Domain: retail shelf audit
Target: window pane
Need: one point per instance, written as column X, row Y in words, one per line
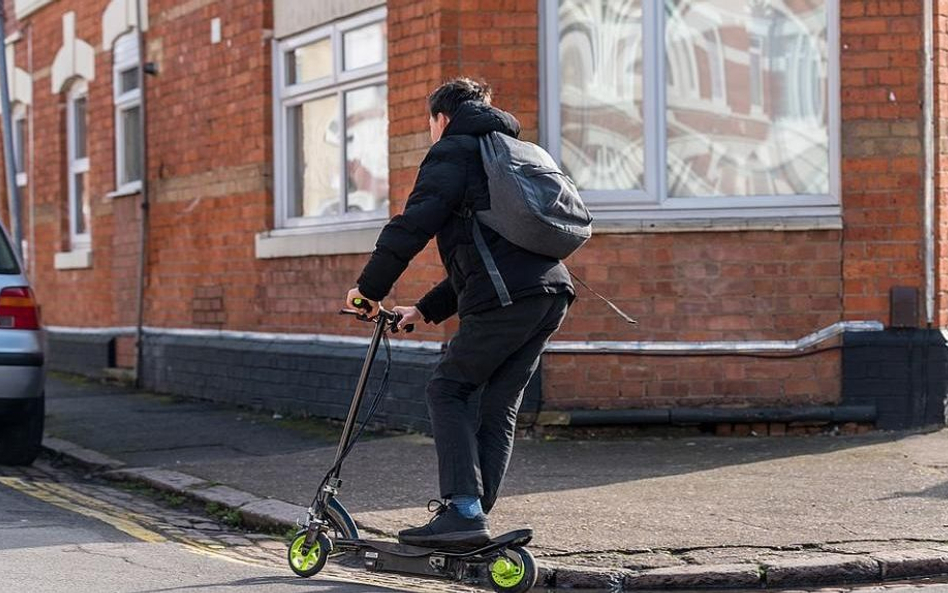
column 367, row 149
column 79, row 128
column 129, row 80
column 746, row 90
column 132, row 146
column 601, row 99
column 364, row 46
column 8, row 263
column 309, row 62
column 315, row 158
column 81, row 209
column 19, row 142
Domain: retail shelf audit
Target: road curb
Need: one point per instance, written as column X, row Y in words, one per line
column 822, row 570
column 827, row 569
column 255, row 512
column 87, row 458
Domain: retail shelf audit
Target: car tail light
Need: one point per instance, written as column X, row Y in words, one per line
column 18, row 309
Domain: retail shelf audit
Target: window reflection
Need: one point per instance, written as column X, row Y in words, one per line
column 601, row 98
column 753, row 121
column 366, row 160
column 314, row 136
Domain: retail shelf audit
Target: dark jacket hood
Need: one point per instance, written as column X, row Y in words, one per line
column 475, row 118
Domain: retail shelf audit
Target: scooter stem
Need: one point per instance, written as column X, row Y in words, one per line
column 356, row 404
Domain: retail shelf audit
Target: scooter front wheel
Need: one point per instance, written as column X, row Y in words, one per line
column 514, row 571
column 306, row 565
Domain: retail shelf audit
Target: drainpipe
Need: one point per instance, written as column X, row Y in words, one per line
column 928, row 147
column 13, row 192
column 31, row 259
column 143, row 68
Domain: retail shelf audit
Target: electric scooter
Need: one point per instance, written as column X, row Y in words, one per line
column 328, row 529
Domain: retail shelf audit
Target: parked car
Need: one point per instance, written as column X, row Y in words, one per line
column 22, row 369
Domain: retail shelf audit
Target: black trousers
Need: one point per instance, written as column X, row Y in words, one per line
column 499, row 349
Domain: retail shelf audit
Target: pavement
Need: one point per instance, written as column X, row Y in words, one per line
column 642, row 513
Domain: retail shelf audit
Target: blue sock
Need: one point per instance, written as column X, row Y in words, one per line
column 468, row 506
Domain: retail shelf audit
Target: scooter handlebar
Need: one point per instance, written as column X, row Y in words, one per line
column 388, row 317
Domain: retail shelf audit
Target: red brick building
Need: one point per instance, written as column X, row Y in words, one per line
column 762, row 172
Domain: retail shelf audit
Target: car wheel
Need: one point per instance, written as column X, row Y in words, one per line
column 22, row 433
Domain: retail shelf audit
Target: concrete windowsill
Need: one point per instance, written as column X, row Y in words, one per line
column 23, row 8
column 316, row 241
column 691, row 225
column 77, row 259
column 124, row 191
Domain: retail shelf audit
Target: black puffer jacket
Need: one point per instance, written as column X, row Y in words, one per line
column 451, row 179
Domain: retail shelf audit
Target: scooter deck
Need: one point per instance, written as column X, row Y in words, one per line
column 395, row 557
column 519, row 537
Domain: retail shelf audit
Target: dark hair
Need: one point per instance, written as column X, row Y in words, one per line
column 448, row 97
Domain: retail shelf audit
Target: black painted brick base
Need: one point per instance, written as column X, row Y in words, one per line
column 904, row 373
column 82, row 354
column 293, row 378
column 313, row 379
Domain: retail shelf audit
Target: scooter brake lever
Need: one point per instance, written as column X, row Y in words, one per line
column 360, row 315
column 407, row 329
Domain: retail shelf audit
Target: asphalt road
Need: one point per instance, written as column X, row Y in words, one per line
column 58, row 533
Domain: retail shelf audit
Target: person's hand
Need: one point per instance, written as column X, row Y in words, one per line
column 409, row 315
column 355, row 295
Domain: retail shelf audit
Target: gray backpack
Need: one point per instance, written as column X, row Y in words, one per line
column 533, row 204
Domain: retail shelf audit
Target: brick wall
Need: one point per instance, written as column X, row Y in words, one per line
column 882, row 78
column 941, row 160
column 210, row 145
column 701, row 287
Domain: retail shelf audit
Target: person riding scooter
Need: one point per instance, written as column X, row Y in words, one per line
column 496, row 346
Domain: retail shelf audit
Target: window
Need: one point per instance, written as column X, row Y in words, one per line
column 8, row 263
column 78, row 158
column 695, row 108
column 20, row 143
column 332, row 125
column 128, row 101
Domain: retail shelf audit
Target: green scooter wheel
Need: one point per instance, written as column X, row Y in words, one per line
column 306, row 565
column 515, row 571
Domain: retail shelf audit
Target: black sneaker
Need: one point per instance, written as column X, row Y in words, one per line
column 448, row 529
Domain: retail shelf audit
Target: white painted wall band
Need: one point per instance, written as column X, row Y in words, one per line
column 556, row 347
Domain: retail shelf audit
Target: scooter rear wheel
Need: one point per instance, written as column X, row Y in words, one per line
column 306, row 565
column 514, row 572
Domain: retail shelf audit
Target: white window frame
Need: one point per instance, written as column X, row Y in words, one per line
column 652, row 203
column 21, row 144
column 78, row 90
column 125, row 57
column 289, row 96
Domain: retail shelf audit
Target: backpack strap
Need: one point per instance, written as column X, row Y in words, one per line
column 618, row 311
column 491, row 265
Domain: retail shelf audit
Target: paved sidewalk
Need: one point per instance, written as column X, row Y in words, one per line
column 706, row 511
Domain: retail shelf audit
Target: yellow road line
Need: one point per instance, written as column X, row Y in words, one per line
column 120, row 523
column 63, row 497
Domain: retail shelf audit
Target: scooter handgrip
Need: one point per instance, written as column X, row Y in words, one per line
column 409, row 328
